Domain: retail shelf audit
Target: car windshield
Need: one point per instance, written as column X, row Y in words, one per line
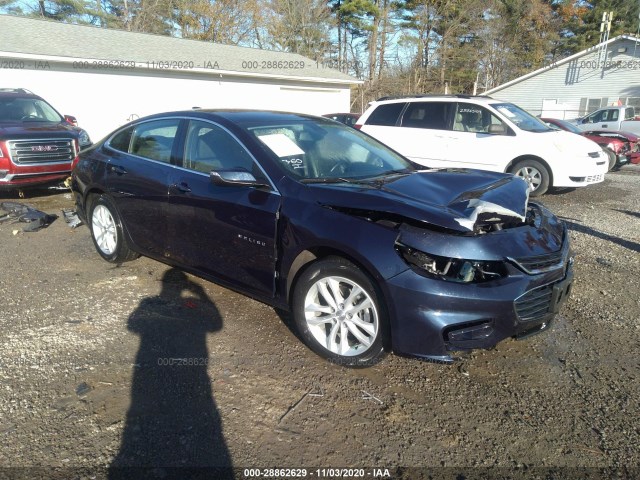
column 14, row 110
column 325, row 151
column 521, row 118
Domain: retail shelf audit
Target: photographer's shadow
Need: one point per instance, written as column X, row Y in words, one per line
column 173, row 424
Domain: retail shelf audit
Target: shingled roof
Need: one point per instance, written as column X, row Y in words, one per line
column 55, row 41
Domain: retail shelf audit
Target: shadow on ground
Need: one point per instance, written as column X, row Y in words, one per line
column 628, row 212
column 173, row 428
column 576, row 227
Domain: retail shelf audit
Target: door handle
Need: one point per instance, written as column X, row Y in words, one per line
column 118, row 169
column 181, row 187
column 605, row 126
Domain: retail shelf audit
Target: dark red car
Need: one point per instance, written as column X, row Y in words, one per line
column 346, row 118
column 621, row 147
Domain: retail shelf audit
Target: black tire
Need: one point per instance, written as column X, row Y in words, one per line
column 613, row 158
column 373, row 318
column 535, row 173
column 102, row 211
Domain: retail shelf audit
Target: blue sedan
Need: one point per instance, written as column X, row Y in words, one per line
column 369, row 252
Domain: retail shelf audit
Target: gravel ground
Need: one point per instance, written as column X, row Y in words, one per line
column 86, row 380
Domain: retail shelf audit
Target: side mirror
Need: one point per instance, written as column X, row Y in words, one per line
column 234, row 177
column 497, row 129
column 70, row 119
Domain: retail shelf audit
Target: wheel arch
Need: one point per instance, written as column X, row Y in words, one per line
column 515, row 161
column 91, row 192
column 95, row 192
column 313, row 254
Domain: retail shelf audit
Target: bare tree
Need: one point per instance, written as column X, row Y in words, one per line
column 223, row 21
column 299, row 26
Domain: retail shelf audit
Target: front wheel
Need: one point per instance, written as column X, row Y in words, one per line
column 536, row 175
column 339, row 313
column 107, row 233
column 612, row 157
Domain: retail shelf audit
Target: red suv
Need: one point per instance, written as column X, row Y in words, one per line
column 37, row 144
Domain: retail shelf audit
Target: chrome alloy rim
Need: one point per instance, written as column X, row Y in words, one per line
column 531, row 175
column 104, row 229
column 341, row 316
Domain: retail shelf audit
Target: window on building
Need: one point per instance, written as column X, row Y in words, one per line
column 633, row 102
column 590, row 105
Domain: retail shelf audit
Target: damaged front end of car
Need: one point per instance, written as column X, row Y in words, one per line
column 484, row 266
column 471, row 291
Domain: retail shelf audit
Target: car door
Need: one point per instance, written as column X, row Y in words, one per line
column 610, row 120
column 227, row 232
column 471, row 144
column 137, row 178
column 424, row 134
column 594, row 120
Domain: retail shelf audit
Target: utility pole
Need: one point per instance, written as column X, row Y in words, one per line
column 605, row 29
column 637, row 37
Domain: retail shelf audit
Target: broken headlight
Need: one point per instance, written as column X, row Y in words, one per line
column 452, row 269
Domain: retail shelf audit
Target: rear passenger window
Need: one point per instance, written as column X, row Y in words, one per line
column 474, row 118
column 154, row 140
column 431, row 115
column 121, row 140
column 386, row 114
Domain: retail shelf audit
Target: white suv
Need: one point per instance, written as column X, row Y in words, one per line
column 486, row 134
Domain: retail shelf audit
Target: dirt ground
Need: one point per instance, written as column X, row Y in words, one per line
column 143, row 366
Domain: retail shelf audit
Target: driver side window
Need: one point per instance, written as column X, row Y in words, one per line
column 595, row 117
column 209, row 147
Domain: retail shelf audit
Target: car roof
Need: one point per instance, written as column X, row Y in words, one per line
column 435, row 97
column 244, row 118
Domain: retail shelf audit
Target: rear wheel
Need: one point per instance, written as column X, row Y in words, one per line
column 535, row 173
column 106, row 231
column 339, row 314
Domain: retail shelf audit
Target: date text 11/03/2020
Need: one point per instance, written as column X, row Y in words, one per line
column 343, row 473
column 350, row 65
column 149, row 64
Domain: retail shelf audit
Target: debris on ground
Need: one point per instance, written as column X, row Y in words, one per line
column 83, row 389
column 315, row 391
column 17, row 212
column 368, row 396
column 70, row 216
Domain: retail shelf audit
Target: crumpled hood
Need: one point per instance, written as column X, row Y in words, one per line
column 455, row 199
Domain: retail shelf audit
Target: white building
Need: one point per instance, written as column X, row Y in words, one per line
column 107, row 77
column 606, row 74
